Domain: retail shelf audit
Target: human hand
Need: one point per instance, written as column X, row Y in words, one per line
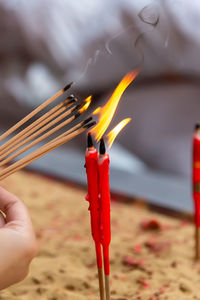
column 17, row 240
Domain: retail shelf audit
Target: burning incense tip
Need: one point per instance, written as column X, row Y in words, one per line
column 89, row 125
column 89, row 140
column 86, row 103
column 67, row 87
column 102, row 147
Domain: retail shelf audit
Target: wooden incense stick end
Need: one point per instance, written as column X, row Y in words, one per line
column 197, row 243
column 107, row 286
column 101, row 284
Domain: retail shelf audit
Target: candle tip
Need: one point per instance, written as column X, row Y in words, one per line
column 197, row 126
column 102, row 147
column 89, row 140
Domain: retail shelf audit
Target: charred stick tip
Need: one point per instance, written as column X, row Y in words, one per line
column 102, row 147
column 73, row 100
column 89, row 125
column 67, row 87
column 77, row 115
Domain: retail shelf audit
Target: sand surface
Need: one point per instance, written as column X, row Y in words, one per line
column 151, row 255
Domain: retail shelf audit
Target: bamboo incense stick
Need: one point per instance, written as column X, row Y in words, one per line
column 197, row 244
column 101, row 284
column 79, row 125
column 107, row 287
column 35, row 111
column 36, row 141
column 33, row 127
column 41, row 151
column 31, row 137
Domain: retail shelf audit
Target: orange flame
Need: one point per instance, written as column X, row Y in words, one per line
column 86, row 105
column 106, row 113
column 97, row 110
column 111, row 136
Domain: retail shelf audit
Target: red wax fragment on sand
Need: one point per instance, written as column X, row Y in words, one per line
column 151, row 225
column 184, row 223
column 130, row 261
column 156, row 246
column 144, row 283
column 161, row 290
column 137, row 248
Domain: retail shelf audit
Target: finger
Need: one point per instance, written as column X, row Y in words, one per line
column 14, row 209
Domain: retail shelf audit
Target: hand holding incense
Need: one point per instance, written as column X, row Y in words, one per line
column 196, row 186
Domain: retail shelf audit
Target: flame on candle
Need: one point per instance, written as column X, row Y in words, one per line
column 86, row 105
column 106, row 112
column 111, row 136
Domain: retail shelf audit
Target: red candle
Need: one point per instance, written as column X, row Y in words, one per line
column 91, row 157
column 104, row 196
column 196, row 174
column 92, row 179
column 196, row 185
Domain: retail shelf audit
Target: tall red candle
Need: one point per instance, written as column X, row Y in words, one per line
column 91, row 156
column 196, row 186
column 104, row 197
column 196, row 174
column 91, row 165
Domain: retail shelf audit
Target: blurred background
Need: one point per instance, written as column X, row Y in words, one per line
column 46, row 44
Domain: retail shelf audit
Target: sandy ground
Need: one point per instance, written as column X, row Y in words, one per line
column 151, row 255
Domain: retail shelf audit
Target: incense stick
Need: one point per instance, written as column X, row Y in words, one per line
column 34, row 126
column 107, row 286
column 31, row 137
column 197, row 244
column 35, row 111
column 101, row 284
column 42, row 151
column 36, row 141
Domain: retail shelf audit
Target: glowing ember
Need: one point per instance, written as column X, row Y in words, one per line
column 114, row 132
column 106, row 113
column 86, row 105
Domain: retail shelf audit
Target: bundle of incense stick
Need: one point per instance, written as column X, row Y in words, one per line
column 48, row 123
